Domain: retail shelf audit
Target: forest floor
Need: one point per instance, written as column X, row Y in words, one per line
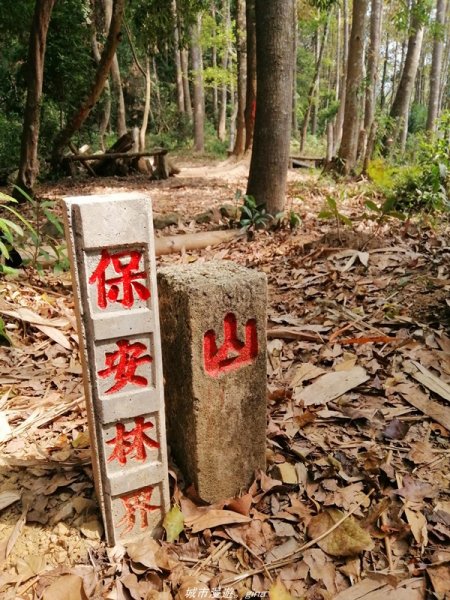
column 358, row 417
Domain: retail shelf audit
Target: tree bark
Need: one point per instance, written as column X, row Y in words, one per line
column 349, row 144
column 436, row 65
column 250, row 101
column 372, row 68
column 77, row 120
column 146, row 113
column 116, row 78
column 342, row 85
column 270, row 155
column 199, row 97
column 400, row 107
column 29, row 165
column 294, row 75
column 222, row 123
column 314, row 84
column 241, row 42
column 177, row 57
column 106, row 114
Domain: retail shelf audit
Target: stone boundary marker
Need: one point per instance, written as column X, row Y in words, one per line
column 111, row 250
column 213, row 329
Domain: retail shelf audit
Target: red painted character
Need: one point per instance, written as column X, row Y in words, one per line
column 132, row 443
column 233, row 353
column 109, row 289
column 122, row 364
column 134, row 502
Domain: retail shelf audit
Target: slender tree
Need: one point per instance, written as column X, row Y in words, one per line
column 343, row 78
column 270, row 155
column 29, row 164
column 77, row 120
column 250, row 101
column 199, row 96
column 373, row 62
column 116, row 77
column 436, row 65
column 314, row 83
column 400, row 107
column 239, row 144
column 349, row 144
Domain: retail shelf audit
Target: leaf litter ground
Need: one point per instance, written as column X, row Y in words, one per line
column 355, row 500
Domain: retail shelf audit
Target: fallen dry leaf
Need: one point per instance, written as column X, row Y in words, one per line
column 278, row 591
column 330, row 386
column 173, row 523
column 67, row 587
column 347, row 540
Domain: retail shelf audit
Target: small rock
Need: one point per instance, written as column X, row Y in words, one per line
column 231, row 211
column 205, row 217
column 161, row 221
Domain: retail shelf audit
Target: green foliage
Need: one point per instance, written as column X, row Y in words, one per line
column 253, row 216
column 417, row 118
column 423, row 187
column 331, row 211
column 291, row 220
column 11, row 233
column 4, row 339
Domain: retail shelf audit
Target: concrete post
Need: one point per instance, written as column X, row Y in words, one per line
column 111, row 249
column 213, row 328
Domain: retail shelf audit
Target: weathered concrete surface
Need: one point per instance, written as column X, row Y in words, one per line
column 111, row 247
column 216, row 413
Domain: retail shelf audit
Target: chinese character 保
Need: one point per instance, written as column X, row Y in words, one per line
column 131, row 444
column 123, row 363
column 133, row 503
column 108, row 289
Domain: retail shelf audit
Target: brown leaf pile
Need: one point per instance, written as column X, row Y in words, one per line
column 354, row 502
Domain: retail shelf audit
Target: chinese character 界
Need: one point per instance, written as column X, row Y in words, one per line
column 108, row 289
column 123, row 364
column 134, row 502
column 132, row 443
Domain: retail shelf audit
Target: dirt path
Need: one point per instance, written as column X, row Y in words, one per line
column 373, row 298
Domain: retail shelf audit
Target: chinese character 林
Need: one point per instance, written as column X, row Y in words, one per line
column 131, row 444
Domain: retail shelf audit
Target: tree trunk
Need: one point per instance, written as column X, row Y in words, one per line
column 106, row 114
column 349, row 144
column 29, row 166
column 148, row 86
column 270, row 155
column 372, row 69
column 241, row 42
column 436, row 65
column 250, row 101
column 384, row 75
column 400, row 107
column 184, row 57
column 222, row 123
column 199, row 98
column 342, row 85
column 116, row 78
column 215, row 89
column 179, row 72
column 101, row 75
column 313, row 86
column 294, row 74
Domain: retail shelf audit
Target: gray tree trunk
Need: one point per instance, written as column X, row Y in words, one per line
column 222, row 123
column 116, row 78
column 349, row 144
column 436, row 65
column 250, row 102
column 342, row 85
column 199, row 96
column 178, row 70
column 275, row 56
column 29, row 166
column 372, row 69
column 241, row 42
column 400, row 107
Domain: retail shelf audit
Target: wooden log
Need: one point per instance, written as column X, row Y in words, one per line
column 170, row 244
column 87, row 157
